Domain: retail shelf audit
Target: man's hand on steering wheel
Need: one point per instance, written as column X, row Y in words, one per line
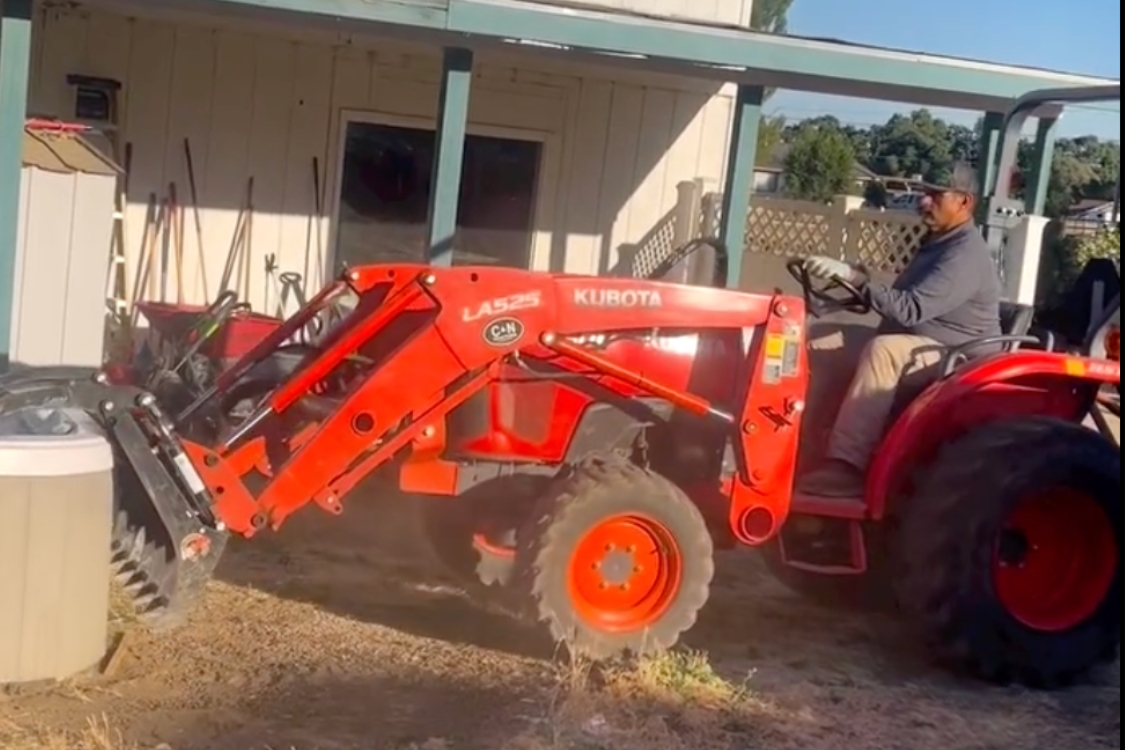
column 831, row 269
column 838, row 275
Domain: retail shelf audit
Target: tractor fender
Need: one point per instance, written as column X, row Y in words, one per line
column 1020, row 383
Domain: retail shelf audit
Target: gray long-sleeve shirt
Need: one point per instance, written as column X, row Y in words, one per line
column 949, row 292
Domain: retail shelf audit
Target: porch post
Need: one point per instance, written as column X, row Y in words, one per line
column 1035, row 189
column 15, row 57
column 988, row 153
column 449, row 150
column 739, row 179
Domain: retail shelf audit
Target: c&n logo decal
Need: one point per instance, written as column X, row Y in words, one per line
column 617, row 297
column 502, row 332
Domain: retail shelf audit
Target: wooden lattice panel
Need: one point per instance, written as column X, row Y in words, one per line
column 657, row 245
column 710, row 212
column 883, row 241
column 773, row 228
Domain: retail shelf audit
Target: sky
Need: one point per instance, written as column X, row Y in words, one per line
column 1083, row 36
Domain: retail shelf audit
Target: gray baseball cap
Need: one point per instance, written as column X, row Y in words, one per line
column 962, row 178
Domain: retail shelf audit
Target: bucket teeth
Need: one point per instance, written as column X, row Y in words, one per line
column 130, row 557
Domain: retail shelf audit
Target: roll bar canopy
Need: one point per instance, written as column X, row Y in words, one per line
column 1004, row 211
column 1042, row 103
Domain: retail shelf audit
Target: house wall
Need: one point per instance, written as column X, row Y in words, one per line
column 261, row 102
column 733, row 12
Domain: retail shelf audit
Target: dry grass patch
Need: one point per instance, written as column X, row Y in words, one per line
column 98, row 735
column 672, row 701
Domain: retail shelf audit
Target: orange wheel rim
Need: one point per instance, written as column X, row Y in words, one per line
column 624, row 573
column 1055, row 560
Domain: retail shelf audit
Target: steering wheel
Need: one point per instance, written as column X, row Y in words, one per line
column 854, row 300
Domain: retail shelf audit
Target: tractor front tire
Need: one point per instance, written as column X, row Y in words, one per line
column 616, row 560
column 1009, row 552
column 454, row 526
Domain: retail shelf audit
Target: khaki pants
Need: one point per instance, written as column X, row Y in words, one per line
column 881, row 369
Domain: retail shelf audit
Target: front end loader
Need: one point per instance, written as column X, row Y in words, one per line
column 597, row 370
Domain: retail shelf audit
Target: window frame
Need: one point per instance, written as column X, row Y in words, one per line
column 542, row 212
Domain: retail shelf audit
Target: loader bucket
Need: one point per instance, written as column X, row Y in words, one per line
column 165, row 543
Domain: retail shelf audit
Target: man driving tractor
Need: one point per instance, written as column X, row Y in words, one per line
column 948, row 294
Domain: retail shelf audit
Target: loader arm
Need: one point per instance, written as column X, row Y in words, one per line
column 431, row 338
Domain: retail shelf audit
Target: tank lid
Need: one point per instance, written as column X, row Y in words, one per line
column 51, row 442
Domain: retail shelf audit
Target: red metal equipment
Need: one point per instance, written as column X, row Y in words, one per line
column 433, row 339
column 236, row 335
column 600, row 436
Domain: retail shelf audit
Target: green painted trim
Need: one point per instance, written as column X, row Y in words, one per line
column 449, row 151
column 1035, row 189
column 15, row 68
column 988, row 153
column 423, row 13
column 739, row 179
column 695, row 44
column 732, row 53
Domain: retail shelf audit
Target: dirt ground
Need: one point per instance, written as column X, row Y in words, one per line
column 341, row 634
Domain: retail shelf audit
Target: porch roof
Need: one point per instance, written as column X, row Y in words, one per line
column 692, row 49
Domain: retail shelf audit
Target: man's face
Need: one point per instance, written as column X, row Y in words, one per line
column 942, row 210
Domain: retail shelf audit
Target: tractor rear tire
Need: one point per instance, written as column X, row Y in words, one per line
column 617, row 559
column 975, row 545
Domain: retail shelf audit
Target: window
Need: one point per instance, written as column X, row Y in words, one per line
column 385, row 191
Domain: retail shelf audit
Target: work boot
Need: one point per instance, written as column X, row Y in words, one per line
column 835, row 479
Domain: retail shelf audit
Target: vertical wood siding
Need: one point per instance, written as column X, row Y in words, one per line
column 261, row 102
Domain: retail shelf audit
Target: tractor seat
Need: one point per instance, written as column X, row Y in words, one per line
column 1015, row 318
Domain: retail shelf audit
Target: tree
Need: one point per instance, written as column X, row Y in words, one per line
column 963, row 142
column 1069, row 175
column 770, row 16
column 920, row 144
column 819, row 165
column 771, row 131
column 875, row 194
column 917, row 144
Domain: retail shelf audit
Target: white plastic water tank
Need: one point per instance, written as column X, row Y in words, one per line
column 56, row 515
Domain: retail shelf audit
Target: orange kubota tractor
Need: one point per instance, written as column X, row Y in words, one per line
column 595, row 438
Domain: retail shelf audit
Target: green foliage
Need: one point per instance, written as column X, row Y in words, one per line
column 919, row 144
column 915, row 144
column 1083, row 167
column 770, row 16
column 819, row 165
column 771, row 132
column 875, row 194
column 1064, row 258
column 1105, row 244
